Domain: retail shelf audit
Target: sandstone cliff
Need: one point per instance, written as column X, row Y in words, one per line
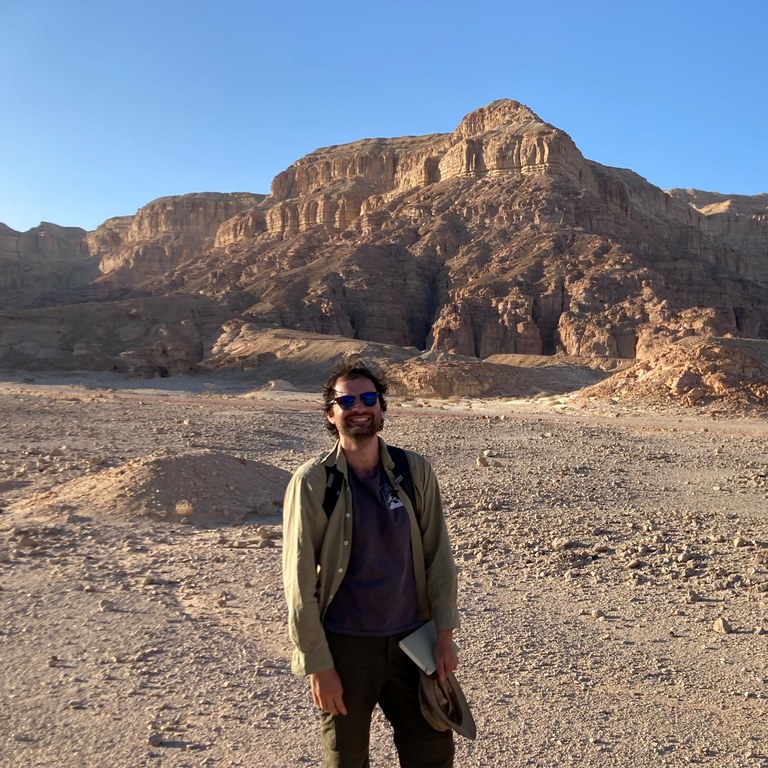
column 497, row 238
column 38, row 266
column 740, row 222
column 164, row 234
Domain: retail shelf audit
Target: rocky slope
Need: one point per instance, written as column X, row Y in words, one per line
column 143, row 337
column 727, row 373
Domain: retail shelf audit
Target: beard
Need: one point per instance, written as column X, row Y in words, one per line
column 359, row 428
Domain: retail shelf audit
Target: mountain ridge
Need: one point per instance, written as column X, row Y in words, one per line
column 496, row 238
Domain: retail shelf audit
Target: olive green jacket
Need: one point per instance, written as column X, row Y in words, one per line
column 316, row 552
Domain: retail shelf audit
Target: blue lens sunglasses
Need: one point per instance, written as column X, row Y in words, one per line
column 345, row 402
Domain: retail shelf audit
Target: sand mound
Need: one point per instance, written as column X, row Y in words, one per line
column 427, row 378
column 444, row 378
column 204, row 488
column 301, row 358
column 729, row 373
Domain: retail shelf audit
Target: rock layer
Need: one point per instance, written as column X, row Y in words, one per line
column 38, row 266
column 163, row 234
column 738, row 221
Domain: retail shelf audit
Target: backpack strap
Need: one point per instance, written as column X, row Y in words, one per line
column 403, row 476
column 334, row 480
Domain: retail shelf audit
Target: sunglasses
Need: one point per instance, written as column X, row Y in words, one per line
column 345, row 402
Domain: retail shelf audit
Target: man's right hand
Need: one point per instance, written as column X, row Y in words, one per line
column 327, row 691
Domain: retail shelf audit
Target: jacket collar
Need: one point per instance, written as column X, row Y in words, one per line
column 335, row 457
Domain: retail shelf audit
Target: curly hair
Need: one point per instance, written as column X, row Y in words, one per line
column 352, row 370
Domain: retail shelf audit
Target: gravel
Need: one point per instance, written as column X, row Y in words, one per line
column 613, row 583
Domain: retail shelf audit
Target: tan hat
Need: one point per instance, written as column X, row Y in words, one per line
column 444, row 706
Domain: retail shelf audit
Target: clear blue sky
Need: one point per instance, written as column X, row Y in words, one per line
column 107, row 105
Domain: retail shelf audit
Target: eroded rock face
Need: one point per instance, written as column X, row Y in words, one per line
column 163, row 234
column 333, row 186
column 497, row 238
column 38, row 266
column 738, row 221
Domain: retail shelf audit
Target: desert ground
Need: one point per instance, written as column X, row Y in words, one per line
column 613, row 566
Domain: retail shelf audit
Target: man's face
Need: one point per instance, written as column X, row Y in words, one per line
column 359, row 421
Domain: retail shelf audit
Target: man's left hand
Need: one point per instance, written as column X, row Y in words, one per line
column 446, row 658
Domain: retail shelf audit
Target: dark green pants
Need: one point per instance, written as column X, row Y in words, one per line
column 373, row 670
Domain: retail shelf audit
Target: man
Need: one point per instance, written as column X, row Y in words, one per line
column 361, row 576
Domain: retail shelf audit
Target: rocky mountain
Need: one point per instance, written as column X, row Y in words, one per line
column 497, row 238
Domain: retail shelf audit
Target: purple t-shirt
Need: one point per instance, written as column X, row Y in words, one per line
column 377, row 596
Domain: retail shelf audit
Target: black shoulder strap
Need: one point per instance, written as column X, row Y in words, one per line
column 334, row 480
column 403, row 475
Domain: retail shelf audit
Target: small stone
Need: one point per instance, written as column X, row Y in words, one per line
column 481, row 461
column 26, row 542
column 722, row 626
column 598, row 614
column 740, row 541
column 694, row 597
column 155, row 739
